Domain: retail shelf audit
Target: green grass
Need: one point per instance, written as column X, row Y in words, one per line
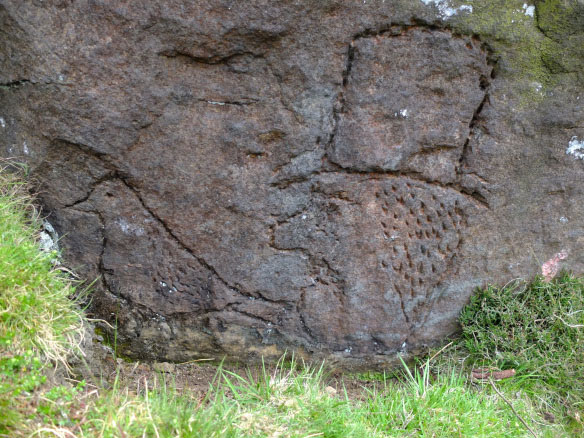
column 448, row 406
column 532, row 328
column 288, row 402
column 537, row 329
column 35, row 310
column 40, row 326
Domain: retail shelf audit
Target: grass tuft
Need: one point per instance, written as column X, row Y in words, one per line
column 446, row 405
column 537, row 329
column 39, row 324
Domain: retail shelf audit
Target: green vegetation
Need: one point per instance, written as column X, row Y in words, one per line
column 535, row 329
column 513, row 34
column 532, row 48
column 36, row 312
column 40, row 326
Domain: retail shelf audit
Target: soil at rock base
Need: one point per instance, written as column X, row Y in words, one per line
column 100, row 368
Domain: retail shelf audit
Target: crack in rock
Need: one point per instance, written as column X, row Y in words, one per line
column 374, row 215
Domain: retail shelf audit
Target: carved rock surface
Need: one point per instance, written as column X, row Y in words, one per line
column 329, row 177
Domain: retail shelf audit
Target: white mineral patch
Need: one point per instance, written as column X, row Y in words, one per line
column 25, row 148
column 528, row 10
column 2, row 122
column 564, row 220
column 46, row 242
column 403, row 113
column 213, row 102
column 445, row 9
column 576, row 148
column 47, row 226
column 48, row 239
column 128, row 228
column 538, row 87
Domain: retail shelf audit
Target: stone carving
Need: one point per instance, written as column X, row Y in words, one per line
column 333, row 178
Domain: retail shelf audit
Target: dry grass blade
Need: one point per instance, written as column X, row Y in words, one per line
column 512, row 408
column 484, row 374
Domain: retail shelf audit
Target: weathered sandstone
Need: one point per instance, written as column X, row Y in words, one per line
column 333, row 178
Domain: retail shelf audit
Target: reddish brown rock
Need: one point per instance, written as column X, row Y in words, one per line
column 327, row 177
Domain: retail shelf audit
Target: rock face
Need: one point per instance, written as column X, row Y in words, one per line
column 329, row 177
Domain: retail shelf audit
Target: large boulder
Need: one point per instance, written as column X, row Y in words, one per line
column 333, row 178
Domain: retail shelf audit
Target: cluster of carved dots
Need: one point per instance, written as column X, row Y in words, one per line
column 422, row 234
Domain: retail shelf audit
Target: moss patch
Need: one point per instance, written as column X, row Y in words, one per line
column 529, row 49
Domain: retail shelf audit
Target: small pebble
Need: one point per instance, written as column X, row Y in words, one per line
column 163, row 367
column 330, row 390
